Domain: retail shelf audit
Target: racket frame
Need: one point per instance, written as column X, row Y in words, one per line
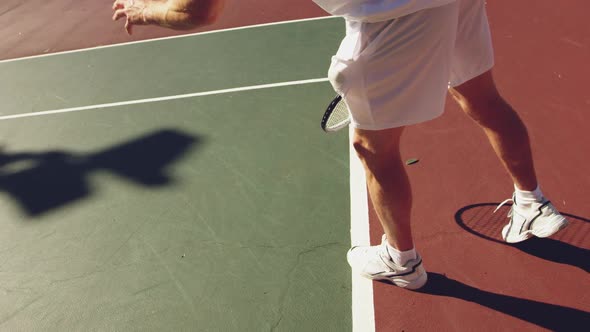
column 329, row 111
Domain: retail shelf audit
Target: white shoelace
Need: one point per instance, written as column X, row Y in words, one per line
column 504, row 203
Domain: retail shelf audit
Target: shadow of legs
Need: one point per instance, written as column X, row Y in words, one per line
column 549, row 316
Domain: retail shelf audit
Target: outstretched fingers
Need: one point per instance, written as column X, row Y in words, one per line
column 128, row 27
column 129, row 10
column 119, row 13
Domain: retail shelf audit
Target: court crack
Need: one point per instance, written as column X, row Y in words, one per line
column 22, row 308
column 80, row 276
column 290, row 274
column 240, row 245
column 10, row 9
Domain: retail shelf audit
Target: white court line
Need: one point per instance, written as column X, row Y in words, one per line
column 166, row 98
column 168, row 38
column 363, row 311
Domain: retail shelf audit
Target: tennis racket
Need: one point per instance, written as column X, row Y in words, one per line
column 336, row 116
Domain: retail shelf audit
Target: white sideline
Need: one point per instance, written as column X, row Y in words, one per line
column 157, row 99
column 363, row 311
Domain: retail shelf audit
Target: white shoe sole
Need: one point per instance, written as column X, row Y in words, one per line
column 541, row 232
column 412, row 281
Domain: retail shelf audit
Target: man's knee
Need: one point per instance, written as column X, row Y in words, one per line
column 377, row 149
column 364, row 148
column 478, row 93
column 480, row 99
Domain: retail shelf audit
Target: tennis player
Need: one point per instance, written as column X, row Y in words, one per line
column 393, row 69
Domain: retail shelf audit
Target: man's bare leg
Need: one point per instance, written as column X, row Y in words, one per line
column 395, row 260
column 387, row 182
column 535, row 215
column 506, row 132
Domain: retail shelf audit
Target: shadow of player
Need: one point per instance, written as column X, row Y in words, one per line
column 550, row 316
column 44, row 181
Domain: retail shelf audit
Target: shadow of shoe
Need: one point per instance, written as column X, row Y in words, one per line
column 569, row 246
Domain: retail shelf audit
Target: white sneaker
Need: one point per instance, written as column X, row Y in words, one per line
column 540, row 219
column 374, row 262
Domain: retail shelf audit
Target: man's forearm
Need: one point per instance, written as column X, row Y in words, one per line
column 183, row 14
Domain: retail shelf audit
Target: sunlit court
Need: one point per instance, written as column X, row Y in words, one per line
column 180, row 180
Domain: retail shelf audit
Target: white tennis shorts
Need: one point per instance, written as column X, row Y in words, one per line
column 396, row 73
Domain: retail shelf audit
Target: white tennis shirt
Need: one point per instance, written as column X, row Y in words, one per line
column 376, row 10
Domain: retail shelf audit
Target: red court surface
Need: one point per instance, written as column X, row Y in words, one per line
column 38, row 26
column 542, row 68
column 476, row 282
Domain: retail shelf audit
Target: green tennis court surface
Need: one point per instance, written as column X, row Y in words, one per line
column 226, row 212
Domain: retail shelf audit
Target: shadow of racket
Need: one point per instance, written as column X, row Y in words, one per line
column 569, row 246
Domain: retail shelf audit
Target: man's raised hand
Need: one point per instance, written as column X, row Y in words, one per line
column 172, row 14
column 134, row 12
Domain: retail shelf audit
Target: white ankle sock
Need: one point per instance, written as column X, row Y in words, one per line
column 524, row 197
column 401, row 257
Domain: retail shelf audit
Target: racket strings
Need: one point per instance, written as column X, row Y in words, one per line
column 338, row 117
